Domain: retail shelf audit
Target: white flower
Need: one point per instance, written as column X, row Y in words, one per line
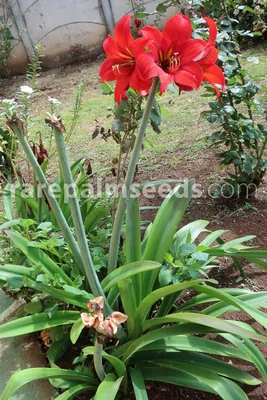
column 26, row 89
column 52, row 100
column 8, row 102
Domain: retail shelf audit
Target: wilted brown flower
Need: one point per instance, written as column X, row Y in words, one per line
column 55, row 122
column 16, row 121
column 96, row 305
column 107, row 326
column 91, row 321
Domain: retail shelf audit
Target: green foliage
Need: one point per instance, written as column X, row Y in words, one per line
column 8, row 150
column 79, row 93
column 167, row 335
column 6, row 36
column 239, row 116
column 189, row 258
column 152, row 349
column 35, row 66
column 251, row 15
column 93, row 209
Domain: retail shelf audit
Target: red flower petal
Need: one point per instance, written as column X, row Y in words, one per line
column 215, row 76
column 106, row 72
column 152, row 33
column 213, row 30
column 120, row 90
column 210, row 58
column 139, row 83
column 147, row 66
column 190, row 75
column 122, row 32
column 191, row 50
column 178, row 28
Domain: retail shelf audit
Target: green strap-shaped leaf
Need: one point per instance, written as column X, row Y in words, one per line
column 16, row 270
column 133, row 242
column 206, row 320
column 127, row 350
column 189, row 232
column 212, row 237
column 175, row 377
column 196, row 344
column 163, row 229
column 38, row 256
column 138, row 384
column 247, row 347
column 37, row 322
column 127, row 296
column 116, row 362
column 158, row 294
column 21, row 378
column 74, row 391
column 67, row 297
column 247, row 254
column 126, row 272
column 259, row 316
column 93, row 218
column 76, row 330
column 133, row 233
column 20, row 204
column 257, row 299
column 225, row 388
column 185, row 359
column 8, row 204
column 108, row 388
column 204, row 298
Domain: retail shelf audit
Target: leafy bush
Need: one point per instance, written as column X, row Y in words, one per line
column 240, row 118
column 191, row 255
column 251, row 15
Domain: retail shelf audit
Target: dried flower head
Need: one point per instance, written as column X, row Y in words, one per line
column 107, row 326
column 96, row 305
column 55, row 122
column 91, row 321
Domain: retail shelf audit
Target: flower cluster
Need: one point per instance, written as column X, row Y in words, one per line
column 172, row 55
column 107, row 326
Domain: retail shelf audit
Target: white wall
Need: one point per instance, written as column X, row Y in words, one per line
column 66, row 29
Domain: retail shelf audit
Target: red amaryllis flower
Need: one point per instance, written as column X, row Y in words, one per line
column 208, row 57
column 120, row 65
column 171, row 55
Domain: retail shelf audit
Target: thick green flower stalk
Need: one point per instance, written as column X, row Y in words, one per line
column 88, row 265
column 16, row 126
column 116, row 232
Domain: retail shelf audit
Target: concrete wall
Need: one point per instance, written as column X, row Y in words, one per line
column 66, row 29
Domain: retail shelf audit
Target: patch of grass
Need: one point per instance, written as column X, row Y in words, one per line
column 181, row 130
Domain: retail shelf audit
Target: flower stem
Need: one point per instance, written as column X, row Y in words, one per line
column 49, row 194
column 77, row 220
column 98, row 363
column 116, row 232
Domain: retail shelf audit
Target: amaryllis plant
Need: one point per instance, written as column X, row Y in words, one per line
column 136, row 328
column 171, row 55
